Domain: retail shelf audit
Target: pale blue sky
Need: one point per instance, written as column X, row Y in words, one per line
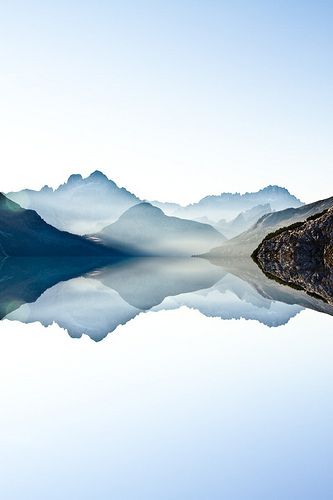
column 173, row 99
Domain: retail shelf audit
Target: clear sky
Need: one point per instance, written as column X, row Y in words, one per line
column 174, row 100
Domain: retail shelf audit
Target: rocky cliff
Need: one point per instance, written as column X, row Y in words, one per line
column 301, row 255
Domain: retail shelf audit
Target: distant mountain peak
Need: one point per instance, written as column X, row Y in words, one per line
column 145, row 230
column 98, row 175
column 144, row 207
column 74, row 178
column 274, row 188
column 46, row 188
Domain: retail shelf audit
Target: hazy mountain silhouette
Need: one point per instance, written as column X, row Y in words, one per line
column 80, row 206
column 247, row 242
column 243, row 221
column 228, row 205
column 146, row 230
column 87, row 205
column 25, row 233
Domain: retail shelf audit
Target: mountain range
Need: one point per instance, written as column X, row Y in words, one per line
column 70, row 251
column 88, row 205
column 93, row 216
column 229, row 205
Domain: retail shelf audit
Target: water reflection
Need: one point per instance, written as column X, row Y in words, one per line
column 93, row 298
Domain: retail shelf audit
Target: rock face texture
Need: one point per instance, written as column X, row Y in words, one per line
column 301, row 255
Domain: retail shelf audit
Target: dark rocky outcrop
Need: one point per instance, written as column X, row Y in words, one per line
column 301, row 255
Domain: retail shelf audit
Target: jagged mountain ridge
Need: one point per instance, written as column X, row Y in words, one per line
column 146, row 230
column 80, row 206
column 229, row 205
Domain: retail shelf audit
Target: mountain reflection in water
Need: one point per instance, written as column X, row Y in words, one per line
column 86, row 296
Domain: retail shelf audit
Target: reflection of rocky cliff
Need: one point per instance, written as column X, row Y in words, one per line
column 302, row 255
column 273, row 290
